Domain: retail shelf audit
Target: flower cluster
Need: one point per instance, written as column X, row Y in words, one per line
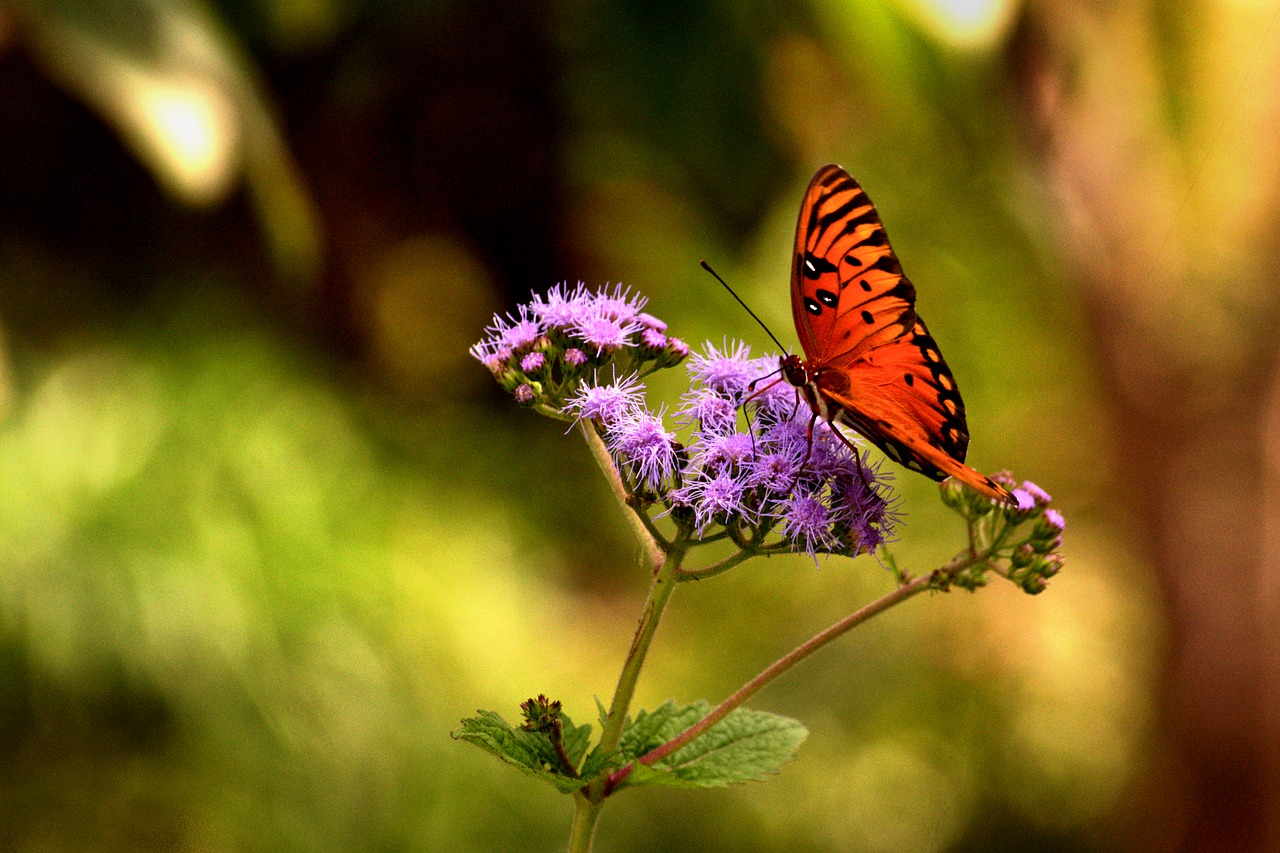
column 776, row 481
column 548, row 346
column 1023, row 542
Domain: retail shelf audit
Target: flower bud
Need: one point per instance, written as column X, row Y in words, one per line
column 952, row 492
column 1022, row 556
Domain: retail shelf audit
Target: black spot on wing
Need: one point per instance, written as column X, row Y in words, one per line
column 814, row 267
column 827, row 298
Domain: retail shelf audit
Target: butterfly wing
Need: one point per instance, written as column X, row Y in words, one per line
column 875, row 362
column 848, row 293
column 903, row 398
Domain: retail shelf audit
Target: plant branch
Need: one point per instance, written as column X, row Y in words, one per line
column 715, row 568
column 912, row 587
column 655, row 547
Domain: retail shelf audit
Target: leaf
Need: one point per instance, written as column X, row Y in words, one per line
column 745, row 746
column 531, row 752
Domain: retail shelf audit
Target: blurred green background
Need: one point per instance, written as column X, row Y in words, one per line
column 267, row 532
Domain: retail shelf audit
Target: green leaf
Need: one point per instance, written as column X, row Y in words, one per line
column 531, row 752
column 745, row 746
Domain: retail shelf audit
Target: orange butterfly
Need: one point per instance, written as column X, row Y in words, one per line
column 870, row 363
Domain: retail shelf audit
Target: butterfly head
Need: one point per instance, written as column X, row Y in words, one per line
column 795, row 371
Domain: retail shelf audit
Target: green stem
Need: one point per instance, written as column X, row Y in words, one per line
column 586, row 814
column 664, row 583
column 908, row 590
column 654, row 546
column 715, row 568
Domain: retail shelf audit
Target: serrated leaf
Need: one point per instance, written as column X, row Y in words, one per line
column 745, row 746
column 531, row 752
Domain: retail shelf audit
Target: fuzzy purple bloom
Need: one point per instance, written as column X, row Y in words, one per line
column 717, row 451
column 618, row 305
column 807, row 521
column 652, row 338
column 524, row 394
column 643, row 447
column 728, row 372
column 651, row 322
column 607, row 403
column 715, row 497
column 710, row 411
column 1026, row 502
column 605, row 333
column 1054, row 520
column 774, row 472
column 1039, row 495
column 533, row 362
column 575, row 357
column 561, row 307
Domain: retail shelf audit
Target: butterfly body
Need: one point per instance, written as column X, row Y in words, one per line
column 870, row 363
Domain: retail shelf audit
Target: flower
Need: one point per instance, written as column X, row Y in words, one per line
column 604, row 333
column 713, row 498
column 561, row 307
column 607, row 403
column 1039, row 495
column 728, row 372
column 709, row 411
column 808, row 521
column 620, row 304
column 644, row 447
column 774, row 480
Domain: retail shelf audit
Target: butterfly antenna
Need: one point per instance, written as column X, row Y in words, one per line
column 706, row 266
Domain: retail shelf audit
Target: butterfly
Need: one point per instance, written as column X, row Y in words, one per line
column 869, row 361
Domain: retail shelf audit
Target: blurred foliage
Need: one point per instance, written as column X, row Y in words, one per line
column 267, row 533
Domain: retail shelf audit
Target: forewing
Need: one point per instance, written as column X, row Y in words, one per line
column 903, row 398
column 848, row 293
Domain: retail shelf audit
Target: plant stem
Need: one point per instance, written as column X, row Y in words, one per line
column 652, row 546
column 589, row 800
column 586, row 814
column 902, row 593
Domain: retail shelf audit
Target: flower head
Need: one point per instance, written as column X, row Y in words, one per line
column 644, row 447
column 726, row 372
column 607, row 403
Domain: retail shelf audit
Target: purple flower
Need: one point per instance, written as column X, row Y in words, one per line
column 575, row 357
column 1026, row 502
column 524, row 394
column 507, row 334
column 619, row 305
column 722, row 451
column 1052, row 523
column 678, row 348
column 533, row 362
column 1039, row 495
column 712, row 412
column 561, row 307
column 651, row 322
column 775, row 472
column 607, row 403
column 714, row 498
column 727, row 372
column 643, row 447
column 603, row 332
column 652, row 338
column 807, row 521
